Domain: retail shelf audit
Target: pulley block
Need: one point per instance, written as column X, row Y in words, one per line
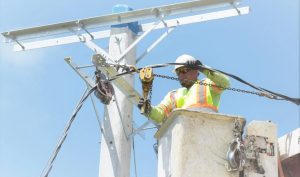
column 235, row 156
column 104, row 90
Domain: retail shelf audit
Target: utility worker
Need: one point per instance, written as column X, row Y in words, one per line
column 192, row 95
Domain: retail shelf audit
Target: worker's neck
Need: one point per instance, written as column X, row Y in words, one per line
column 189, row 85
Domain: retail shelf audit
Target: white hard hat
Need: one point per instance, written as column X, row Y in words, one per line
column 183, row 59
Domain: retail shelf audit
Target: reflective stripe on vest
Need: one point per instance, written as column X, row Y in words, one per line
column 201, row 97
column 173, row 100
column 168, row 109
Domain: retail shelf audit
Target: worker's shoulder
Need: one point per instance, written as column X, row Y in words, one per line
column 173, row 91
column 206, row 80
column 182, row 89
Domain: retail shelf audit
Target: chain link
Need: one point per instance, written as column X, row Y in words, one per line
column 128, row 68
column 166, row 77
column 210, row 85
column 150, row 93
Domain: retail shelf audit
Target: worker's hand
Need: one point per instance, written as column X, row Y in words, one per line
column 143, row 102
column 194, row 64
column 206, row 69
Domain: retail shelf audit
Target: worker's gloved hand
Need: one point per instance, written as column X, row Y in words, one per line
column 141, row 103
column 206, row 70
column 147, row 107
column 194, row 64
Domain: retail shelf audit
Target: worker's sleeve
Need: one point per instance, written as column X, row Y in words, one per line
column 219, row 79
column 160, row 112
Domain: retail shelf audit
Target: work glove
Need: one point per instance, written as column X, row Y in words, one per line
column 194, row 64
column 206, row 70
column 142, row 102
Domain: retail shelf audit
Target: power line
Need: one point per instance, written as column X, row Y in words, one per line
column 51, row 160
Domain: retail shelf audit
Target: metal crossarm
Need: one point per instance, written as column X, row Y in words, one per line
column 199, row 18
column 89, row 24
column 143, row 28
column 89, row 81
column 119, row 18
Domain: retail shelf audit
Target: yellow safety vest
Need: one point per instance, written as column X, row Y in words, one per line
column 198, row 96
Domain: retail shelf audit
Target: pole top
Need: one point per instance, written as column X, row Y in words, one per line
column 120, row 8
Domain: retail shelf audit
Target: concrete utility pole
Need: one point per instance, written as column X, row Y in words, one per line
column 117, row 124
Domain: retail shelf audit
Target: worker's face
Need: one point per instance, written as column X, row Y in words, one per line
column 186, row 76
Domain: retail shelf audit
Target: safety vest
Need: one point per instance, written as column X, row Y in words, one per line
column 198, row 96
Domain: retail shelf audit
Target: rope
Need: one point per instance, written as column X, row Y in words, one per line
column 51, row 160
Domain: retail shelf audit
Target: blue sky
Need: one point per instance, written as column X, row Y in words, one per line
column 38, row 90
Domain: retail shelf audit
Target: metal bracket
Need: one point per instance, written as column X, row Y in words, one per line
column 88, row 80
column 235, row 7
column 161, row 17
column 155, row 43
column 81, row 38
column 81, row 26
column 85, row 66
column 12, row 37
column 128, row 49
column 142, row 128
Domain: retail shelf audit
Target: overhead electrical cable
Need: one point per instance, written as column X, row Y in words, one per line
column 49, row 165
column 263, row 92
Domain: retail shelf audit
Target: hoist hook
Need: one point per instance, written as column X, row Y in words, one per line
column 146, row 77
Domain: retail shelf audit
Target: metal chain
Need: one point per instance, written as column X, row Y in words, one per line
column 210, row 85
column 166, row 77
column 128, row 68
column 150, row 93
column 238, row 129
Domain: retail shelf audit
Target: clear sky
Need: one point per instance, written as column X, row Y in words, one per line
column 38, row 90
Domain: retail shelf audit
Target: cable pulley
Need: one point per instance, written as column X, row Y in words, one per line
column 104, row 89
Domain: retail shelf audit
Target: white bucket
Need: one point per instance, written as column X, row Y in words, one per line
column 194, row 144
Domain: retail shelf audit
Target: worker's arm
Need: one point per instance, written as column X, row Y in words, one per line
column 219, row 79
column 160, row 112
column 157, row 114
